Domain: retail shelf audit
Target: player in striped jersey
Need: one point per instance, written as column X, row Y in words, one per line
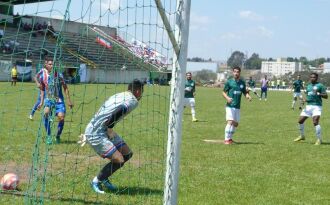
column 53, row 98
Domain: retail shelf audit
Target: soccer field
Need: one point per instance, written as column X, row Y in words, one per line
column 265, row 167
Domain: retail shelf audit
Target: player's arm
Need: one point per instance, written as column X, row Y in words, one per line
column 225, row 95
column 246, row 93
column 42, row 96
column 228, row 99
column 323, row 93
column 67, row 93
column 194, row 90
column 116, row 115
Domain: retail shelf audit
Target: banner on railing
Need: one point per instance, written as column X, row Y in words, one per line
column 5, row 67
column 24, row 70
column 103, row 42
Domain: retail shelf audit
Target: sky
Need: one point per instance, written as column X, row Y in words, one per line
column 270, row 28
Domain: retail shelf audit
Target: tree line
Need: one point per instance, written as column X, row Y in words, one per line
column 253, row 62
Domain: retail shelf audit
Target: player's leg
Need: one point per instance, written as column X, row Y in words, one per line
column 303, row 116
column 301, row 100
column 232, row 123
column 266, row 94
column 192, row 106
column 316, row 119
column 60, row 112
column 118, row 152
column 48, row 109
column 261, row 92
column 294, row 101
column 255, row 92
column 35, row 107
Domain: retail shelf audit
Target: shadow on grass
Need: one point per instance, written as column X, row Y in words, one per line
column 138, row 191
column 247, row 143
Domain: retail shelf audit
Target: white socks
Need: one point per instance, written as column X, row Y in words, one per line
column 301, row 129
column 193, row 112
column 229, row 131
column 318, row 132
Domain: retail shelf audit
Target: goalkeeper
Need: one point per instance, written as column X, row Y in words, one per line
column 105, row 141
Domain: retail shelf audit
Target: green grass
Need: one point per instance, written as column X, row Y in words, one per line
column 267, row 167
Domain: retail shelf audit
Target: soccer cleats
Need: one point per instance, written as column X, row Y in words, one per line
column 96, row 186
column 58, row 140
column 49, row 140
column 300, row 138
column 318, row 142
column 194, row 119
column 31, row 117
column 229, row 141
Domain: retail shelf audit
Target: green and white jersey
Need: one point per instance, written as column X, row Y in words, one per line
column 311, row 92
column 297, row 86
column 234, row 90
column 189, row 89
column 252, row 83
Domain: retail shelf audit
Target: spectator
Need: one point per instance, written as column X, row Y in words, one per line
column 1, row 33
column 13, row 75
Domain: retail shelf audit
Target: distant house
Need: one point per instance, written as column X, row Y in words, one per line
column 326, row 68
column 197, row 66
column 280, row 67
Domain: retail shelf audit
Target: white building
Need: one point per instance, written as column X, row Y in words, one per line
column 326, row 68
column 198, row 66
column 280, row 67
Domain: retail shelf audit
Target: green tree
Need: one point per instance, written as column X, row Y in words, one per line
column 254, row 62
column 205, row 76
column 236, row 59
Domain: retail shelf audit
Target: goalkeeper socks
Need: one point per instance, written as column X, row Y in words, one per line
column 318, row 131
column 302, row 129
column 60, row 128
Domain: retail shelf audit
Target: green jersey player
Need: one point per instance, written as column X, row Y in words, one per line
column 297, row 87
column 232, row 92
column 189, row 95
column 252, row 86
column 315, row 91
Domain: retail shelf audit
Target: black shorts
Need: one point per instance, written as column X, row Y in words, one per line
column 14, row 78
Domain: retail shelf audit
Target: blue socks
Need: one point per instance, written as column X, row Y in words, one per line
column 60, row 128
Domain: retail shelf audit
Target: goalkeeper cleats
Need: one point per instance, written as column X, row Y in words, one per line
column 96, row 186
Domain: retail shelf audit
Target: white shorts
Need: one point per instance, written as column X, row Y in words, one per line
column 232, row 114
column 311, row 111
column 252, row 89
column 101, row 142
column 297, row 95
column 189, row 102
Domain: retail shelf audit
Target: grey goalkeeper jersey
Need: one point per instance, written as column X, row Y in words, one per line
column 112, row 111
